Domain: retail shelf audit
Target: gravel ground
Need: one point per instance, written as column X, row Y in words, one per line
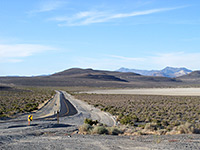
column 50, row 136
column 47, row 134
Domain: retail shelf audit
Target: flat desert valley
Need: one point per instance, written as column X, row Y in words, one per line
column 152, row 91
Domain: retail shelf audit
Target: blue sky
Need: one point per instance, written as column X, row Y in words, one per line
column 46, row 36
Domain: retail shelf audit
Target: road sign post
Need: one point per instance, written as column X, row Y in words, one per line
column 57, row 117
column 30, row 118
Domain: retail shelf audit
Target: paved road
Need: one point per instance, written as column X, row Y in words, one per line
column 58, row 104
column 66, row 108
column 87, row 111
column 71, row 111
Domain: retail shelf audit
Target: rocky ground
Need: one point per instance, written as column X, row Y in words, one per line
column 47, row 134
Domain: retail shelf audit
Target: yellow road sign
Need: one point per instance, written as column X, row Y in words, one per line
column 30, row 117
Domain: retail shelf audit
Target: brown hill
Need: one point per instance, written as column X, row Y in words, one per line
column 92, row 78
column 193, row 77
column 79, row 72
column 75, row 72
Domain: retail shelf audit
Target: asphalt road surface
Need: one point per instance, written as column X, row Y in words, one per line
column 66, row 108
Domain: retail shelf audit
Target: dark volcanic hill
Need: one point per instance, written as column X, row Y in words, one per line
column 92, row 78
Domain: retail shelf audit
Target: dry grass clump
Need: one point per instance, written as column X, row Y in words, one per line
column 114, row 131
column 150, row 113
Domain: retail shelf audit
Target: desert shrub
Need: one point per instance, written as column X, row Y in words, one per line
column 151, row 126
column 108, row 108
column 125, row 120
column 3, row 115
column 141, row 126
column 114, row 131
column 128, row 120
column 166, row 111
column 96, row 105
column 23, row 99
column 176, row 123
column 121, row 115
column 31, row 106
column 85, row 128
column 1, row 112
column 164, row 123
column 90, row 121
column 99, row 130
column 186, row 128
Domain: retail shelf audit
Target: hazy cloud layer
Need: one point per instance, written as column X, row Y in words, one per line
column 49, row 5
column 91, row 17
column 15, row 53
column 190, row 60
column 159, row 61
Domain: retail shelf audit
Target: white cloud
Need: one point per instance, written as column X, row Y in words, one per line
column 90, row 17
column 48, row 5
column 12, row 53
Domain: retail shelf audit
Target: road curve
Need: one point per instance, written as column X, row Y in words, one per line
column 66, row 108
column 88, row 111
column 58, row 103
column 71, row 111
column 49, row 110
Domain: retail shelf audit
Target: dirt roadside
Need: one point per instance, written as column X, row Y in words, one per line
column 93, row 112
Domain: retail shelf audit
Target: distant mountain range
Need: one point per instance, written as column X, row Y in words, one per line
column 102, row 78
column 92, row 78
column 166, row 72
